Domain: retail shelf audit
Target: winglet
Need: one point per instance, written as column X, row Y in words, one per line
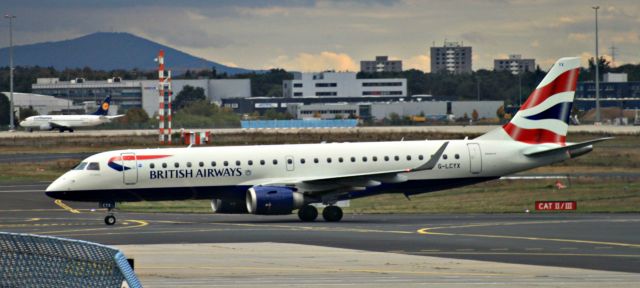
column 434, row 159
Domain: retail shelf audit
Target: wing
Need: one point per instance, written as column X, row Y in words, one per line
column 317, row 186
column 59, row 124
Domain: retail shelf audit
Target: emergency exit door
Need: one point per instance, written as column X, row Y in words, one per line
column 475, row 158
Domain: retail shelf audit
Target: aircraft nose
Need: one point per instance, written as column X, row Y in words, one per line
column 59, row 186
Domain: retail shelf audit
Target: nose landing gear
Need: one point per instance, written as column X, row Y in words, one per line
column 110, row 219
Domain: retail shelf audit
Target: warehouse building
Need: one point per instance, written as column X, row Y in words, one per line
column 341, row 84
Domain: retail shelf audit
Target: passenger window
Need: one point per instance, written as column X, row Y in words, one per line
column 152, row 166
column 225, row 163
column 176, row 164
column 201, row 164
column 444, row 156
column 213, row 163
column 397, row 158
column 289, row 161
column 93, row 166
column 315, row 160
column 340, row 160
column 262, row 162
column 457, row 156
column 275, row 162
column 238, row 163
column 164, row 165
column 80, row 166
column 189, row 164
column 364, row 158
column 374, row 158
column 328, row 160
column 386, row 158
column 408, row 157
column 302, row 161
column 250, row 162
column 420, row 157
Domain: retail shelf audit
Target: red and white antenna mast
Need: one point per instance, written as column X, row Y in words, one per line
column 160, row 60
column 164, row 84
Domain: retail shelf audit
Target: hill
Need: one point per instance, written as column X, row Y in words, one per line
column 107, row 51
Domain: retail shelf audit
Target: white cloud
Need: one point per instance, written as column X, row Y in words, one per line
column 307, row 62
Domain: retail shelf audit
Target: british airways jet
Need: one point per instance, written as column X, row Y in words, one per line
column 278, row 179
column 68, row 122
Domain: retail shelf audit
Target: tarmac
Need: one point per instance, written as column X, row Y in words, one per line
column 197, row 250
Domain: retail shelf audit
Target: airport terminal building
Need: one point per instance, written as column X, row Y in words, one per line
column 341, row 84
column 137, row 93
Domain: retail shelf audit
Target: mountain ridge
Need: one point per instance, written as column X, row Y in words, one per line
column 108, row 51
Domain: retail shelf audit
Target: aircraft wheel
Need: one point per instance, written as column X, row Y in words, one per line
column 110, row 220
column 332, row 214
column 61, row 130
column 308, row 213
column 70, row 130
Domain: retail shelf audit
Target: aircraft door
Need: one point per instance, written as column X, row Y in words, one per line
column 290, row 163
column 475, row 158
column 130, row 168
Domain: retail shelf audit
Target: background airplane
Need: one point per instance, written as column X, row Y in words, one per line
column 68, row 122
column 278, row 179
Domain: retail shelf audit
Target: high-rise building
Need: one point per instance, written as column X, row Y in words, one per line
column 515, row 64
column 452, row 57
column 381, row 64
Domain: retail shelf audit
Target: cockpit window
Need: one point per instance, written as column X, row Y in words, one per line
column 93, row 166
column 80, row 166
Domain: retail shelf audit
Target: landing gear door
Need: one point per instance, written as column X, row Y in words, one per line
column 475, row 158
column 129, row 168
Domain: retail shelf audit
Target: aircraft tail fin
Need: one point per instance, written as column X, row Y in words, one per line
column 104, row 107
column 545, row 116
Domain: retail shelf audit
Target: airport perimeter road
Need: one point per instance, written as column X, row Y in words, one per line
column 593, row 241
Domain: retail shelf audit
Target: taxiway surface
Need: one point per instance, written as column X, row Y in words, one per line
column 592, row 241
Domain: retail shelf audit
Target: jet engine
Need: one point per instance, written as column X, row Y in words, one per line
column 273, row 200
column 45, row 127
column 228, row 206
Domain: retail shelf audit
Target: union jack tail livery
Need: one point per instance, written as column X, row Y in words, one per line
column 544, row 117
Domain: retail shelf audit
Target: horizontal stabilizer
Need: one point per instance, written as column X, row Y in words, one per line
column 542, row 151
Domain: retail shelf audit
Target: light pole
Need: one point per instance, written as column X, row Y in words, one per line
column 597, row 63
column 10, row 17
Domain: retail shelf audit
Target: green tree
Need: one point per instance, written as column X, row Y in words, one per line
column 27, row 112
column 135, row 116
column 474, row 115
column 4, row 110
column 188, row 95
column 500, row 112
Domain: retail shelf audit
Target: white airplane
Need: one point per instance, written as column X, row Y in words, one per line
column 278, row 179
column 68, row 122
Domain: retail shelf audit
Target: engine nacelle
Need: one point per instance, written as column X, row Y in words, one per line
column 45, row 127
column 228, row 206
column 273, row 200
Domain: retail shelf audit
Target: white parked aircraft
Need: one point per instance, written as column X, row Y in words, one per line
column 68, row 122
column 278, row 179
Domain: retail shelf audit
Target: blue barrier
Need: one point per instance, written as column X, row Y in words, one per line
column 315, row 123
column 42, row 261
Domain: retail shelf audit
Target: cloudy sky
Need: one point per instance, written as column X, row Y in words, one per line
column 307, row 35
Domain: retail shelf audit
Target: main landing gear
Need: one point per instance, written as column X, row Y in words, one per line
column 308, row 213
column 110, row 219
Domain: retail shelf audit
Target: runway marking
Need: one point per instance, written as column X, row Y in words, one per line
column 65, row 206
column 141, row 223
column 568, row 248
column 20, row 191
column 499, row 249
column 535, row 254
column 429, row 231
column 533, row 249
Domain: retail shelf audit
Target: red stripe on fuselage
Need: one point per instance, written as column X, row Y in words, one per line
column 565, row 82
column 137, row 157
column 533, row 136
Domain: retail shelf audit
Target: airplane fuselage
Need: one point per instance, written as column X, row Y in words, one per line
column 43, row 122
column 227, row 172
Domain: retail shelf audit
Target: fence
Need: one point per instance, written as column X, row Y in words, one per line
column 40, row 261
